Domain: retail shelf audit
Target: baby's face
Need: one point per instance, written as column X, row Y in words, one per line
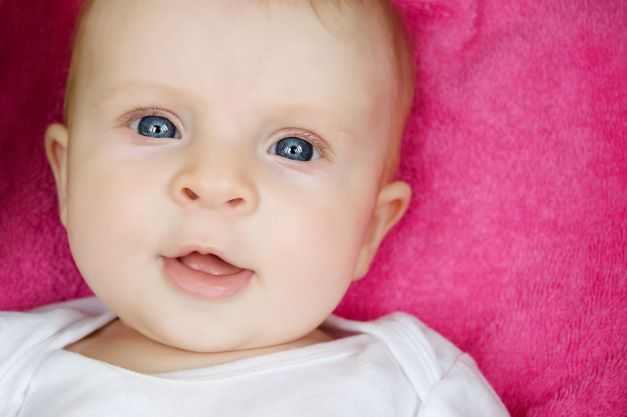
column 229, row 81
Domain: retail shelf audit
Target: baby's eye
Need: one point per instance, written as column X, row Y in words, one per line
column 155, row 127
column 296, row 149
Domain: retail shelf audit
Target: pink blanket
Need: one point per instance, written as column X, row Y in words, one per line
column 515, row 246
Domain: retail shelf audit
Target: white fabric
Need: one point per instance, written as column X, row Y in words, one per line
column 391, row 367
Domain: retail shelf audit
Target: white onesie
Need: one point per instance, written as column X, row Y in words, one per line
column 391, row 367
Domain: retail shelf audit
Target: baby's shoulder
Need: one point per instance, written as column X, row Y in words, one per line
column 48, row 319
column 409, row 340
column 416, row 333
column 443, row 377
column 25, row 334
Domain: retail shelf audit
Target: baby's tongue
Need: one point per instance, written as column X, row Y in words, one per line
column 210, row 264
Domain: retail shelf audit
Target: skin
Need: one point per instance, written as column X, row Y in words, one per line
column 307, row 229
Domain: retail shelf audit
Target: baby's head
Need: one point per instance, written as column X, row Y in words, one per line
column 267, row 131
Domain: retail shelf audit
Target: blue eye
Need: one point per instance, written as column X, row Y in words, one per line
column 156, row 127
column 294, row 148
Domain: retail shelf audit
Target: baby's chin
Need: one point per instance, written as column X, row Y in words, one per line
column 147, row 355
column 219, row 340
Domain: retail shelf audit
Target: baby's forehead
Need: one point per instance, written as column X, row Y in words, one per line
column 275, row 39
column 366, row 17
column 360, row 21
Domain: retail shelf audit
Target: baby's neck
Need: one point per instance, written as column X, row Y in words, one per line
column 119, row 345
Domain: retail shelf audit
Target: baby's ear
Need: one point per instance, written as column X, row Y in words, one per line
column 391, row 205
column 56, row 142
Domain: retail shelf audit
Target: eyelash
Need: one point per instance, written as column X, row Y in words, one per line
column 140, row 112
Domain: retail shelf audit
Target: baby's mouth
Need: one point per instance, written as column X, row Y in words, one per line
column 210, row 264
column 204, row 274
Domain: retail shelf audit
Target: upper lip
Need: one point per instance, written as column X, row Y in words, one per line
column 204, row 250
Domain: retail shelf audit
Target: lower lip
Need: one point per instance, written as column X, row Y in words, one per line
column 202, row 285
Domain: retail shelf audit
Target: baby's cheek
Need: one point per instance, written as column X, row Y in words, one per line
column 310, row 289
column 321, row 249
column 106, row 228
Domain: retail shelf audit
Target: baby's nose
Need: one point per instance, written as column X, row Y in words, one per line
column 227, row 195
column 217, row 187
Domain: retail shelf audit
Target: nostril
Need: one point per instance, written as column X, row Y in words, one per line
column 193, row 196
column 235, row 201
column 189, row 193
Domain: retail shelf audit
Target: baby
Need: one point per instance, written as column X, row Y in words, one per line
column 225, row 170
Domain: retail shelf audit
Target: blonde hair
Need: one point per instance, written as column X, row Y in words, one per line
column 390, row 19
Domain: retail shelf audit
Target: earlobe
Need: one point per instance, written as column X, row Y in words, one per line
column 391, row 205
column 56, row 141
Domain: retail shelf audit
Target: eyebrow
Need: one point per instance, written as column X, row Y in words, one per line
column 116, row 89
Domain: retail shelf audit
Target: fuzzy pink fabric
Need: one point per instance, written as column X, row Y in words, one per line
column 515, row 244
